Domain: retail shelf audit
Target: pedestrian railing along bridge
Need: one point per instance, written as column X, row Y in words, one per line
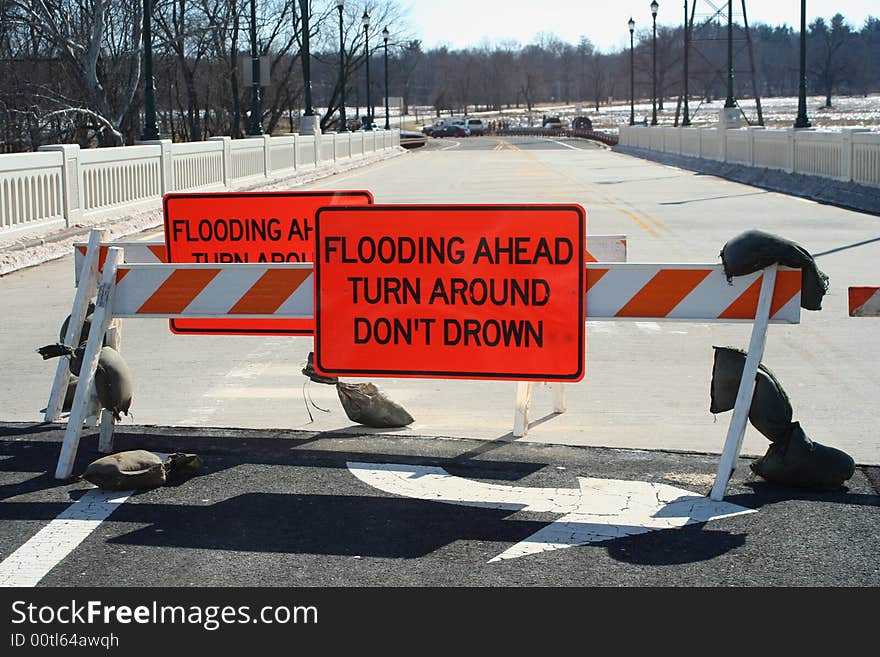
column 56, row 186
column 851, row 155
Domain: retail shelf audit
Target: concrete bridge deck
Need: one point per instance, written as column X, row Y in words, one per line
column 647, row 384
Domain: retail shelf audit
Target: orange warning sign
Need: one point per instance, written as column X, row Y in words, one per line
column 451, row 291
column 247, row 227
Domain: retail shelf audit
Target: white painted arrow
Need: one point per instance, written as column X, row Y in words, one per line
column 600, row 510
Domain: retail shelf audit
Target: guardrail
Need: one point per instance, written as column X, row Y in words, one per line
column 852, row 155
column 61, row 183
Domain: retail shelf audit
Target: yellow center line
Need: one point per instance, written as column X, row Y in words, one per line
column 609, row 202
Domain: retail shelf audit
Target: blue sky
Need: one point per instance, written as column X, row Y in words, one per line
column 462, row 23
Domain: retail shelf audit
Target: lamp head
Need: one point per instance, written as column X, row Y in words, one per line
column 654, row 7
column 366, row 19
column 340, row 4
column 632, row 25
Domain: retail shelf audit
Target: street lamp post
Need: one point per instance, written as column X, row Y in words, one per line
column 730, row 102
column 632, row 74
column 802, row 121
column 340, row 5
column 387, row 121
column 654, row 8
column 686, row 119
column 306, row 57
column 151, row 130
column 366, row 22
column 309, row 123
column 256, row 127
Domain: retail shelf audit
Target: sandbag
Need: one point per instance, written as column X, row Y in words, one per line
column 770, row 411
column 179, row 466
column 113, row 380
column 365, row 404
column 803, row 463
column 86, row 325
column 754, row 250
column 139, row 469
column 309, row 371
column 67, row 404
column 60, row 349
column 132, row 470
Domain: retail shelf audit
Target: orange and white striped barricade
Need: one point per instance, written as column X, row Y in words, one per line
column 599, row 248
column 614, row 291
column 864, row 301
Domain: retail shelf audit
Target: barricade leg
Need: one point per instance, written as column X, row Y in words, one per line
column 737, row 428
column 105, row 436
column 558, row 390
column 521, row 413
column 84, row 292
column 108, row 422
column 81, row 400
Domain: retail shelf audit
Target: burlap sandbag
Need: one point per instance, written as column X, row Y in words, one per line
column 180, row 466
column 86, row 325
column 770, row 411
column 754, row 250
column 132, row 470
column 113, row 380
column 139, row 469
column 803, row 463
column 67, row 404
column 365, row 404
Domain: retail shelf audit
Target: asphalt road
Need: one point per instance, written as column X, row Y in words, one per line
column 285, row 507
column 288, row 509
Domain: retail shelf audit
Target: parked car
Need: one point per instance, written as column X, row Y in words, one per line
column 476, row 126
column 451, row 130
column 582, row 123
column 552, row 123
column 428, row 130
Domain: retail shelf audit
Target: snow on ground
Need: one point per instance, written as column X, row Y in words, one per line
column 845, row 112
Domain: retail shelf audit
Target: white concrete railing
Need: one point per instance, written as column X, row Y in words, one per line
column 32, row 189
column 850, row 155
column 59, row 184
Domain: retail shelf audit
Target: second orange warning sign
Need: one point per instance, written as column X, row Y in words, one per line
column 477, row 292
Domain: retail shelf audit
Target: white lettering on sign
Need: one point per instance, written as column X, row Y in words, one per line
column 600, row 510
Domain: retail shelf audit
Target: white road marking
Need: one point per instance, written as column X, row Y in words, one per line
column 449, row 148
column 561, row 143
column 599, row 510
column 48, row 547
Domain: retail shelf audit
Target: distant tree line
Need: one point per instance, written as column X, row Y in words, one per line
column 71, row 70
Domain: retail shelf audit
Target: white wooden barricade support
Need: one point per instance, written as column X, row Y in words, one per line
column 79, row 409
column 682, row 292
column 85, row 291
